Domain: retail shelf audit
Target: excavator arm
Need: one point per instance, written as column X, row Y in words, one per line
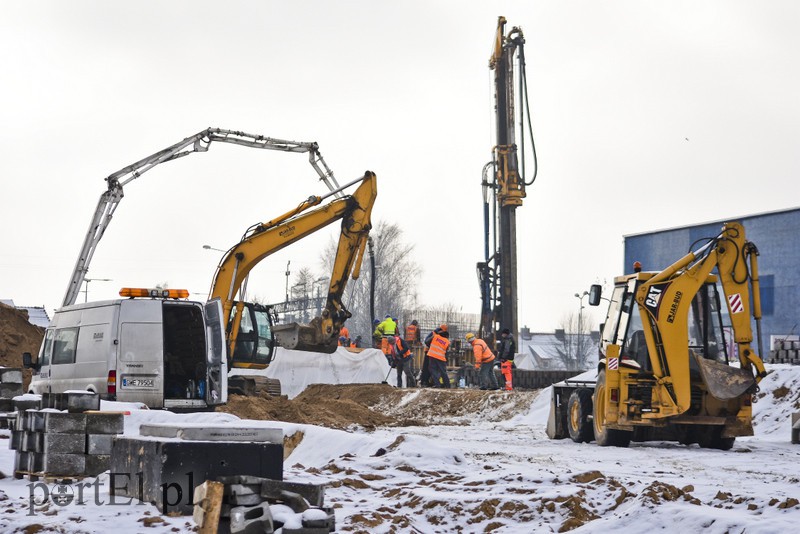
column 198, row 142
column 664, row 303
column 264, row 239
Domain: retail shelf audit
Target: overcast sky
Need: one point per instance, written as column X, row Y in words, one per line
column 646, row 115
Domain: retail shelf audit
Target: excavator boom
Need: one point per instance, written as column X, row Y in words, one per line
column 264, row 239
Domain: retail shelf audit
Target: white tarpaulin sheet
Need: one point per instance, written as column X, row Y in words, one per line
column 298, row 369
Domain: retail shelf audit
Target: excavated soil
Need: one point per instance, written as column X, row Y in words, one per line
column 375, row 405
column 17, row 335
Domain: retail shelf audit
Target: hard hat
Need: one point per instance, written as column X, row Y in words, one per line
column 443, row 328
column 470, row 336
column 505, row 331
column 414, row 322
column 386, row 316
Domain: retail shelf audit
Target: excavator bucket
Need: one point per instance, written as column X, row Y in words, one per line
column 723, row 381
column 308, row 337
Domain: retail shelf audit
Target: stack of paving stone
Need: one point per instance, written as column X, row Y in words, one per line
column 785, row 352
column 10, row 387
column 166, row 462
column 72, row 443
column 241, row 504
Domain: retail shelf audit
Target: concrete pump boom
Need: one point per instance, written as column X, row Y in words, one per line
column 198, row 142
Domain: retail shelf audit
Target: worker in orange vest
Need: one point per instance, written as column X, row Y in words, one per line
column 345, row 333
column 507, row 350
column 437, row 358
column 484, row 362
column 403, row 362
column 412, row 333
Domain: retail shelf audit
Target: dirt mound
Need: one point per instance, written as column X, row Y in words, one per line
column 17, row 335
column 373, row 405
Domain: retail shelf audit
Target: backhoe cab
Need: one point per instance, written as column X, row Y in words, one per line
column 665, row 369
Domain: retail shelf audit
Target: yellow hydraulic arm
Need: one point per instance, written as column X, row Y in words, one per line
column 263, row 239
column 664, row 301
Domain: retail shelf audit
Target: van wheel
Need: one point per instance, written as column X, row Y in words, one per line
column 602, row 434
column 579, row 408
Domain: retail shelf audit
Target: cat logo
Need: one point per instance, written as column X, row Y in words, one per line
column 653, row 296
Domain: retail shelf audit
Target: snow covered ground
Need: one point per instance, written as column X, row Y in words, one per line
column 498, row 477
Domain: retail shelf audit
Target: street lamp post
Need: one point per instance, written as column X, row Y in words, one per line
column 579, row 347
column 86, row 287
column 209, row 247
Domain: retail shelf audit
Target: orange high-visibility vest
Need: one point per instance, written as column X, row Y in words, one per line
column 438, row 348
column 344, row 332
column 483, row 354
column 411, row 332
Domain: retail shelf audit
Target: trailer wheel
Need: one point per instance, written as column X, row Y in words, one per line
column 602, row 434
column 579, row 408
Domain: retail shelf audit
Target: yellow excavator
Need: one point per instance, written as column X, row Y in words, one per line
column 666, row 369
column 251, row 339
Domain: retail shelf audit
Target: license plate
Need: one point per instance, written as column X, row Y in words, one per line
column 137, row 382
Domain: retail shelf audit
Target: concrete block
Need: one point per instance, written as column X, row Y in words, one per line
column 10, row 375
column 314, row 494
column 97, row 463
column 64, row 464
column 7, row 405
column 15, row 441
column 31, row 441
column 64, row 423
column 105, row 423
column 313, row 518
column 215, row 433
column 64, row 443
column 9, row 391
column 35, row 462
column 20, row 461
column 33, row 420
column 246, row 519
column 73, row 402
column 170, row 470
column 99, row 443
column 23, row 404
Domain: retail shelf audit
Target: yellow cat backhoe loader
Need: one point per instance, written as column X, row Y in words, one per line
column 666, row 370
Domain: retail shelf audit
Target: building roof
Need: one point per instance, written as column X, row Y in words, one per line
column 37, row 315
column 719, row 221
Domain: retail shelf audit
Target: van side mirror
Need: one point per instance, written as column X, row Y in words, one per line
column 595, row 292
column 27, row 361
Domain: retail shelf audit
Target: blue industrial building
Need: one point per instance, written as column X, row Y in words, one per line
column 776, row 235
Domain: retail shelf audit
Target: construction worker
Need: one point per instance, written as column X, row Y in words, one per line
column 437, row 356
column 484, row 362
column 355, row 343
column 376, row 336
column 412, row 333
column 425, row 375
column 386, row 329
column 403, row 362
column 345, row 333
column 508, row 349
column 342, row 341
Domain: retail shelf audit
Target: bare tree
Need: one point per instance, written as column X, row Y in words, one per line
column 577, row 348
column 396, row 280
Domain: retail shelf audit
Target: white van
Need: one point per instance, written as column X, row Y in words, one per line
column 164, row 352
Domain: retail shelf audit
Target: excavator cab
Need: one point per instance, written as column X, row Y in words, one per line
column 255, row 343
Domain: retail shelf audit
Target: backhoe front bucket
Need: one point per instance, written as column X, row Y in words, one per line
column 723, row 381
column 306, row 337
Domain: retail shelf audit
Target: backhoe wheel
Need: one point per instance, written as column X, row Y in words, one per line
column 579, row 407
column 710, row 437
column 603, row 435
